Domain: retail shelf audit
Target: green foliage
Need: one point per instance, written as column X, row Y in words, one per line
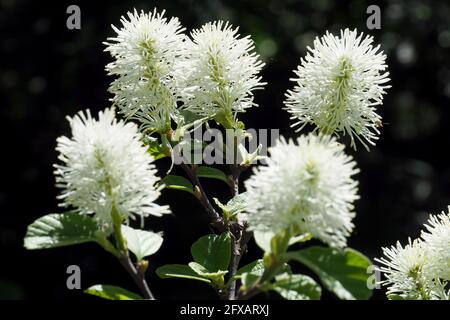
column 256, row 267
column 397, row 297
column 249, row 279
column 296, row 287
column 189, row 117
column 57, row 230
column 216, row 277
column 142, row 243
column 213, row 252
column 251, row 272
column 233, row 207
column 179, row 271
column 112, row 293
column 156, row 150
column 342, row 272
column 177, row 183
column 212, row 173
column 263, row 238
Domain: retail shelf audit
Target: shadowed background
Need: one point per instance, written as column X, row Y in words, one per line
column 48, row 72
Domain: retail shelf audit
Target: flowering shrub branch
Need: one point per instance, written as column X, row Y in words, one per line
column 171, row 84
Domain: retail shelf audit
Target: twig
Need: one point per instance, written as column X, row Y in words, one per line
column 241, row 236
column 216, row 220
column 137, row 276
column 239, row 247
column 235, row 175
column 124, row 257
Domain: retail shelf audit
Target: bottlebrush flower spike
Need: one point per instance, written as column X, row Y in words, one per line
column 437, row 238
column 148, row 50
column 104, row 165
column 407, row 272
column 338, row 85
column 307, row 186
column 221, row 71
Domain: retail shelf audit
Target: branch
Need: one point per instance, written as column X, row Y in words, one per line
column 137, row 276
column 241, row 236
column 124, row 257
column 216, row 220
column 239, row 247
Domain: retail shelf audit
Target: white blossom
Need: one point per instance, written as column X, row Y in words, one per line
column 148, row 50
column 221, row 71
column 407, row 272
column 338, row 86
column 307, row 186
column 104, row 165
column 437, row 239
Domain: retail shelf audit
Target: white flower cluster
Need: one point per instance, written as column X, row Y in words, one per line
column 158, row 68
column 306, row 186
column 221, row 70
column 104, row 165
column 148, row 51
column 338, row 85
column 437, row 238
column 421, row 269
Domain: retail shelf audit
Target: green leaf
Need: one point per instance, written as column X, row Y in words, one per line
column 301, row 238
column 296, row 287
column 213, row 252
column 178, row 183
column 263, row 238
column 189, row 116
column 248, row 279
column 234, row 207
column 156, row 150
column 142, row 243
column 202, row 271
column 255, row 267
column 396, row 297
column 57, row 230
column 212, row 173
column 217, row 277
column 179, row 271
column 112, row 293
column 342, row 272
column 252, row 271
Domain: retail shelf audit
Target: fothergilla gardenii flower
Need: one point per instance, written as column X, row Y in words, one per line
column 104, row 165
column 338, row 86
column 306, row 187
column 148, row 51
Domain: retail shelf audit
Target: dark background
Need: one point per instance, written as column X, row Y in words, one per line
column 48, row 72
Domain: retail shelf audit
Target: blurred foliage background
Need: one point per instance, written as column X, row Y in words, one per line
column 48, row 72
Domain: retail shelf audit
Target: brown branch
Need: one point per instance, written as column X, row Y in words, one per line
column 137, row 275
column 216, row 220
column 123, row 255
column 241, row 236
column 239, row 247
